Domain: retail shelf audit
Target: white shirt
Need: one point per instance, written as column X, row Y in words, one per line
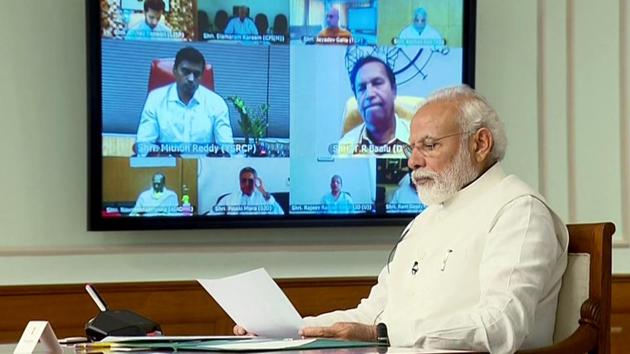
column 238, row 203
column 341, row 205
column 429, row 37
column 151, row 204
column 166, row 119
column 356, row 141
column 236, row 26
column 489, row 265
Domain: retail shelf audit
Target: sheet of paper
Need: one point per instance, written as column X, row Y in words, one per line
column 258, row 345
column 394, row 350
column 122, row 339
column 254, row 301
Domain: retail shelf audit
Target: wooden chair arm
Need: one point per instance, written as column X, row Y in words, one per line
column 583, row 340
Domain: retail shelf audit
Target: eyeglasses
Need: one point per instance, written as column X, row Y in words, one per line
column 247, row 180
column 428, row 146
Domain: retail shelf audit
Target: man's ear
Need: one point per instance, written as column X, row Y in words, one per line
column 482, row 143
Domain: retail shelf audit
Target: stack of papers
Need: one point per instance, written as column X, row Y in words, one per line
column 218, row 343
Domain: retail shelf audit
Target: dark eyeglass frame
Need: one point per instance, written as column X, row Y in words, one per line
column 427, row 148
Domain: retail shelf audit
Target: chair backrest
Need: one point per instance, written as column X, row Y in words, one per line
column 588, row 276
column 161, row 74
column 404, row 106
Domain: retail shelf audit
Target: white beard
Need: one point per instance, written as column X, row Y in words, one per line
column 442, row 186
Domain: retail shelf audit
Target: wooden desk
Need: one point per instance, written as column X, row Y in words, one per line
column 8, row 349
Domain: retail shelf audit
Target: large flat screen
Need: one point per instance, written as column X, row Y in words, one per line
column 251, row 113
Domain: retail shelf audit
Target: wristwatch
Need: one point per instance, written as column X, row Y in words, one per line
column 381, row 334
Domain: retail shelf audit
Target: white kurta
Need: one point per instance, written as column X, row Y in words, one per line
column 489, row 265
column 151, row 204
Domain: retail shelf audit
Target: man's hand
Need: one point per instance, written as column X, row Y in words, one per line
column 261, row 188
column 342, row 330
column 240, row 331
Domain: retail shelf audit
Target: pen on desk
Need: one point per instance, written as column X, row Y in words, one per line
column 96, row 297
column 95, row 345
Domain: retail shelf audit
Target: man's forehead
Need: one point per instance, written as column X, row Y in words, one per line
column 152, row 12
column 190, row 65
column 371, row 70
column 434, row 119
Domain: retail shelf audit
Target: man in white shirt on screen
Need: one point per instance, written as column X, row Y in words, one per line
column 420, row 33
column 184, row 112
column 156, row 200
column 382, row 132
column 480, row 269
column 252, row 199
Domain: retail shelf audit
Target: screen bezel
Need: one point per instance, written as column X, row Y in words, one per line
column 96, row 222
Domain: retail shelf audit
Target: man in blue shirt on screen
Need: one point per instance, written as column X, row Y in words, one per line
column 184, row 112
column 405, row 198
column 337, row 201
column 241, row 24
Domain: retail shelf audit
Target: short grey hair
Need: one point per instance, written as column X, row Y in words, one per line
column 474, row 113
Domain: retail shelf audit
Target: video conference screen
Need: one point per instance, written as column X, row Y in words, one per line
column 241, row 113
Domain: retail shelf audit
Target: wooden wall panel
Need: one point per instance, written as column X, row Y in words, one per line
column 620, row 317
column 179, row 307
column 185, row 308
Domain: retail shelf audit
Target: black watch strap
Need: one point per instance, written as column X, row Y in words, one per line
column 381, row 334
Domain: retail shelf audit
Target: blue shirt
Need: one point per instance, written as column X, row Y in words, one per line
column 236, row 26
column 341, row 205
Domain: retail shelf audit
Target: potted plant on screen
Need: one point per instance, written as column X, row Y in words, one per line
column 253, row 123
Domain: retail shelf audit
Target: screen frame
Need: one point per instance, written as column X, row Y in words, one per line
column 95, row 220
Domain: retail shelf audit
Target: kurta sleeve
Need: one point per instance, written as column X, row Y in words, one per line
column 367, row 312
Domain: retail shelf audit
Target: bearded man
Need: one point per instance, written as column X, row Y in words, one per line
column 480, row 268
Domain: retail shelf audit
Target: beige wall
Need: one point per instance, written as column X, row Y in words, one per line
column 557, row 71
column 567, row 131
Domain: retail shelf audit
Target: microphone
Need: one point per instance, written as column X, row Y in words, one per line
column 414, row 268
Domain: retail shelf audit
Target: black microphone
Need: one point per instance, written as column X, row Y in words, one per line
column 414, row 268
